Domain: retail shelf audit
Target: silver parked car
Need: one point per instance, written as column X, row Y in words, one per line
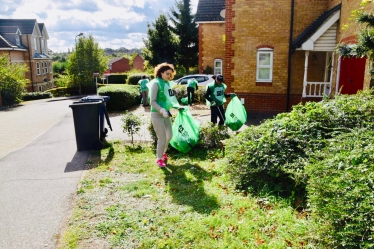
column 202, row 79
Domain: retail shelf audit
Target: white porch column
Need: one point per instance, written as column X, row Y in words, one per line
column 305, row 73
column 331, row 72
column 337, row 83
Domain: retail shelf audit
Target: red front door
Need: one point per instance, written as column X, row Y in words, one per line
column 352, row 72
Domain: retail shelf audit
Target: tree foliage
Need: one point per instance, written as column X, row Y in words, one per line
column 160, row 46
column 12, row 80
column 184, row 27
column 365, row 45
column 85, row 60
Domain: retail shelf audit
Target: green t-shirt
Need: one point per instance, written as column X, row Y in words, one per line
column 143, row 84
column 165, row 95
column 217, row 93
column 192, row 83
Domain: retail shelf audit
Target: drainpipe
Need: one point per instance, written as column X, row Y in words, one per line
column 289, row 56
column 31, row 69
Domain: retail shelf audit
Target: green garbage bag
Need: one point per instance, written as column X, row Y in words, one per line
column 186, row 131
column 235, row 114
column 185, row 100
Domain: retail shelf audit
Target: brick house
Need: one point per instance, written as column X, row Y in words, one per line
column 122, row 65
column 138, row 63
column 118, row 65
column 26, row 41
column 275, row 54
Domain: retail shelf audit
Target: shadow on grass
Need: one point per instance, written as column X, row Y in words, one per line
column 186, row 184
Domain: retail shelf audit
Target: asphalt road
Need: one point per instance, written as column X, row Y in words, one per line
column 39, row 172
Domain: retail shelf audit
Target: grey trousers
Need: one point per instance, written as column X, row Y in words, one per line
column 162, row 127
column 145, row 97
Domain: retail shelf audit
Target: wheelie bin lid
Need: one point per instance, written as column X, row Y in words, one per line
column 94, row 98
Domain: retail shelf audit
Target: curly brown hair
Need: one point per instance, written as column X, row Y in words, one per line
column 160, row 68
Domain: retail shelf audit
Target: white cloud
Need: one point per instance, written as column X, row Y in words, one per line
column 114, row 24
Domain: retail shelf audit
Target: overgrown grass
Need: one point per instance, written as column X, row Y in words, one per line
column 126, row 201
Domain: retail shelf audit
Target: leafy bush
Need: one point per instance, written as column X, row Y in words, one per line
column 211, row 135
column 122, row 97
column 341, row 190
column 63, row 91
column 131, row 124
column 117, row 79
column 134, row 78
column 36, row 95
column 62, row 80
column 278, row 150
column 181, row 92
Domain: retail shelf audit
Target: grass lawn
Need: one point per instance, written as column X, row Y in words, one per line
column 126, row 201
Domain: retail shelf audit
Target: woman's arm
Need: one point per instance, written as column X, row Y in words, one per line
column 154, row 91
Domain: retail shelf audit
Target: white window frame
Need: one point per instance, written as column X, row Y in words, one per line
column 46, row 67
column 217, row 70
column 42, row 42
column 40, row 88
column 50, row 67
column 18, row 42
column 43, row 66
column 37, row 68
column 35, row 44
column 266, row 51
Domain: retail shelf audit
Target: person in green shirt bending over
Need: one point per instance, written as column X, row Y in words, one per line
column 215, row 96
column 191, row 87
column 144, row 89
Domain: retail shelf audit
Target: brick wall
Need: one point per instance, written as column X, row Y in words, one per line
column 138, row 63
column 349, row 36
column 120, row 66
column 211, row 46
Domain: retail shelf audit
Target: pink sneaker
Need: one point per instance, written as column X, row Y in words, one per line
column 161, row 163
column 165, row 157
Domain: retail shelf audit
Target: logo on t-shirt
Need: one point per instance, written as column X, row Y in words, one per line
column 171, row 92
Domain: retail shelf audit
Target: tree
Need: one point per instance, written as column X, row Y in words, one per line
column 365, row 45
column 12, row 80
column 87, row 59
column 160, row 46
column 185, row 29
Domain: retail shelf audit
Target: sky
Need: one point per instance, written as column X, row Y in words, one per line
column 113, row 24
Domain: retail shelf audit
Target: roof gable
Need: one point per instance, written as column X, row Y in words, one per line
column 210, row 11
column 26, row 26
column 306, row 40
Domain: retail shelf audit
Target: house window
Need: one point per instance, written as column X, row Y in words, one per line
column 42, row 67
column 17, row 40
column 50, row 67
column 35, row 44
column 46, row 67
column 42, row 45
column 218, row 66
column 37, row 68
column 264, row 71
column 40, row 88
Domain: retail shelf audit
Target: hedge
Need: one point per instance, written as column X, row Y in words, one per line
column 122, row 97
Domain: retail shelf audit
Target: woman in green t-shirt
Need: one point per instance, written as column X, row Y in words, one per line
column 144, row 89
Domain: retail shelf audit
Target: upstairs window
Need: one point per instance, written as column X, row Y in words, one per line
column 35, row 43
column 18, row 43
column 217, row 66
column 42, row 41
column 264, row 71
column 37, row 68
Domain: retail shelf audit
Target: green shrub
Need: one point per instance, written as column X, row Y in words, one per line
column 63, row 91
column 116, row 79
column 181, row 92
column 278, row 150
column 62, row 80
column 122, row 97
column 131, row 124
column 36, row 95
column 134, row 78
column 341, row 190
column 211, row 135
